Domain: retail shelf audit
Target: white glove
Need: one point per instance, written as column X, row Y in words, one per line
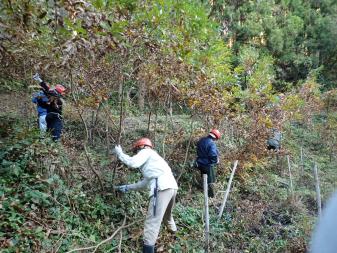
column 118, row 150
column 37, row 77
column 122, row 188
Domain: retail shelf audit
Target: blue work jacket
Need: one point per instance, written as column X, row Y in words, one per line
column 207, row 152
column 41, row 100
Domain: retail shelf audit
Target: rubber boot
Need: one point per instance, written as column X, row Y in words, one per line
column 148, row 249
column 210, row 191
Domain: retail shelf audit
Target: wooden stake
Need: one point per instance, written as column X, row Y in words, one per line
column 318, row 191
column 206, row 213
column 290, row 177
column 227, row 191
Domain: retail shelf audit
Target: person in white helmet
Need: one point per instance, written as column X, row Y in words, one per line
column 163, row 187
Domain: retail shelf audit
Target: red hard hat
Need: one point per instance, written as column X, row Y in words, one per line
column 215, row 133
column 142, row 142
column 60, row 89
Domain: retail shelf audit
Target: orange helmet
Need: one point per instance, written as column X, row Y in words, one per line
column 142, row 142
column 60, row 89
column 215, row 133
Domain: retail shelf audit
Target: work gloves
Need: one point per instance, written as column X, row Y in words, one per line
column 122, row 188
column 37, row 77
column 118, row 150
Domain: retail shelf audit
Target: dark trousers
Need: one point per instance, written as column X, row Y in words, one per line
column 54, row 125
column 210, row 178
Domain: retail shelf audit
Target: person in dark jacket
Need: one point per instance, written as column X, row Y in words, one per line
column 208, row 157
column 54, row 108
column 274, row 143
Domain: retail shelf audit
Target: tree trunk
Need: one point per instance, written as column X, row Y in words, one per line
column 141, row 95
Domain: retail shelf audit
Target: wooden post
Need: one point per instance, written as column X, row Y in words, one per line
column 290, row 177
column 206, row 216
column 228, row 189
column 318, row 191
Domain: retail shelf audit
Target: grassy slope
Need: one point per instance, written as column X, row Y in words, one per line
column 51, row 201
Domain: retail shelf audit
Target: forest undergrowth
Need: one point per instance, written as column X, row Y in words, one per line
column 58, row 197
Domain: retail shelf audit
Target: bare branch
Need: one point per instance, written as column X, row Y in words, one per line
column 95, row 247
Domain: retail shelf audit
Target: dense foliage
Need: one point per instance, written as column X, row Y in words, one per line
column 297, row 34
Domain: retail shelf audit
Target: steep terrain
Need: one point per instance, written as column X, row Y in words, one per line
column 53, row 201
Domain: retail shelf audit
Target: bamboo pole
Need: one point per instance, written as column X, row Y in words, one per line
column 318, row 191
column 290, row 177
column 206, row 213
column 227, row 190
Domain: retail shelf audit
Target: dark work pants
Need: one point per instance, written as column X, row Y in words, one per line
column 54, row 125
column 210, row 178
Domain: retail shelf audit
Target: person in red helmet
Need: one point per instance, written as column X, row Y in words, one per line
column 54, row 107
column 208, row 157
column 60, row 89
column 163, row 188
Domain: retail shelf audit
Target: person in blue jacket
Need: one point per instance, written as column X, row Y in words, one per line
column 54, row 107
column 41, row 100
column 208, row 157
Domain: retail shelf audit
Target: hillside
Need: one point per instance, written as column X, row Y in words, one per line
column 52, row 201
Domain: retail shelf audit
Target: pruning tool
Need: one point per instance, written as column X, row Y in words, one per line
column 155, row 198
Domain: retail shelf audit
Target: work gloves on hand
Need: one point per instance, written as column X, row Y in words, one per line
column 122, row 188
column 37, row 77
column 118, row 150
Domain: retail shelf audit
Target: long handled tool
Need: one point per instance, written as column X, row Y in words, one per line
column 155, row 198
